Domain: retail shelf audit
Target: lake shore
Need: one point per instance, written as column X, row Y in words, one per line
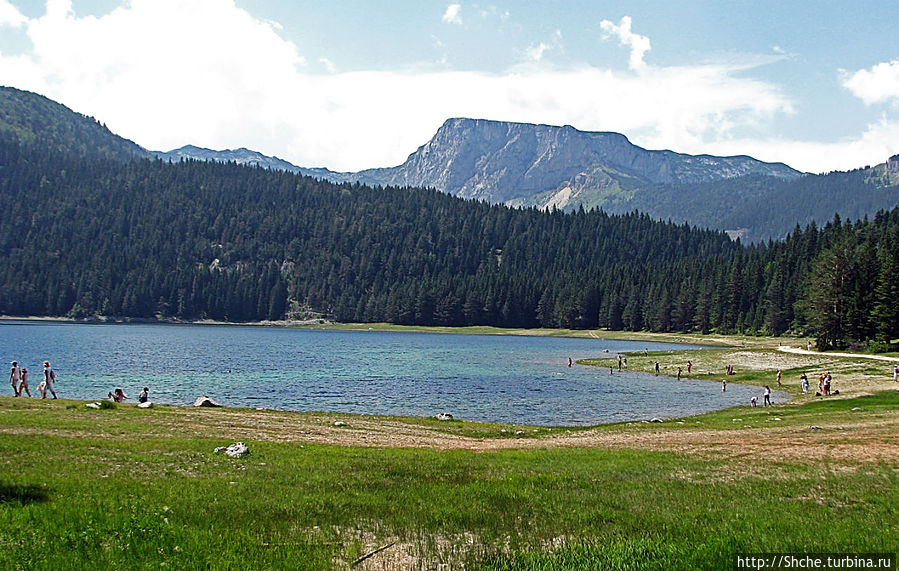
column 327, row 489
column 755, row 361
column 692, row 338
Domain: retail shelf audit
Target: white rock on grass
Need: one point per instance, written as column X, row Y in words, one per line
column 147, row 404
column 444, row 416
column 235, row 450
column 93, row 405
column 206, row 401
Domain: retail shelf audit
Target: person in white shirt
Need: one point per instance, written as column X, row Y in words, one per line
column 14, row 376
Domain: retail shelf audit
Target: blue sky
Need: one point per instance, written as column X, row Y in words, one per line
column 358, row 84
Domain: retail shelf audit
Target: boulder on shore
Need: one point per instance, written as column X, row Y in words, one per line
column 146, row 404
column 206, row 401
column 444, row 416
column 235, row 450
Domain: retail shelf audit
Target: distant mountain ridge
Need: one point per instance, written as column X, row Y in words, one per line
column 241, row 156
column 527, row 165
column 544, row 165
column 522, row 164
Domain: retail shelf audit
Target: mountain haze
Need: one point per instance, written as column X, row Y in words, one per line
column 241, row 156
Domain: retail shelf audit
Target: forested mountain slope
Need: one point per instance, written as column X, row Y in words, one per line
column 221, row 240
column 34, row 119
column 207, row 240
column 762, row 208
column 561, row 167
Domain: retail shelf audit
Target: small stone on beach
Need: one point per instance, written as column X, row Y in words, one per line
column 206, row 401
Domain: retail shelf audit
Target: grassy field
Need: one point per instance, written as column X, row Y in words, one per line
column 126, row 488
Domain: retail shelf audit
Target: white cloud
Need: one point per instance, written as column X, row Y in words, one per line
column 493, row 11
column 165, row 73
column 10, row 15
column 638, row 44
column 452, row 14
column 879, row 141
column 879, row 84
column 327, row 64
column 535, row 53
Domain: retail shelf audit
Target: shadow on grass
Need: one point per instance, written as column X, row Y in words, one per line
column 22, row 494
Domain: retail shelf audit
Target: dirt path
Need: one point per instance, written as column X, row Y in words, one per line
column 799, row 351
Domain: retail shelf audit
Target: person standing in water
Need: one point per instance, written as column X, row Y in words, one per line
column 569, row 361
column 47, row 383
column 723, row 385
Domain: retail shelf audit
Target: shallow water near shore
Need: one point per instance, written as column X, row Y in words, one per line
column 514, row 379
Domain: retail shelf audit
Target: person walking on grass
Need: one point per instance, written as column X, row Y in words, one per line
column 895, row 373
column 778, row 377
column 768, row 396
column 14, row 376
column 23, row 385
column 47, row 383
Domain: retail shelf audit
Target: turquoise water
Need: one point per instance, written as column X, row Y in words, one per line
column 477, row 377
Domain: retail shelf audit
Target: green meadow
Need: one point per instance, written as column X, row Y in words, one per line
column 123, row 488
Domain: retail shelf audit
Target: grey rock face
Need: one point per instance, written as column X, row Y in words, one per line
column 521, row 164
column 504, row 162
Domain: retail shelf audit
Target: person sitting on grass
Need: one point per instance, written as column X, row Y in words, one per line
column 118, row 395
column 144, row 395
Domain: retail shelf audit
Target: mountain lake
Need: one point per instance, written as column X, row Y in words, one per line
column 496, row 378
